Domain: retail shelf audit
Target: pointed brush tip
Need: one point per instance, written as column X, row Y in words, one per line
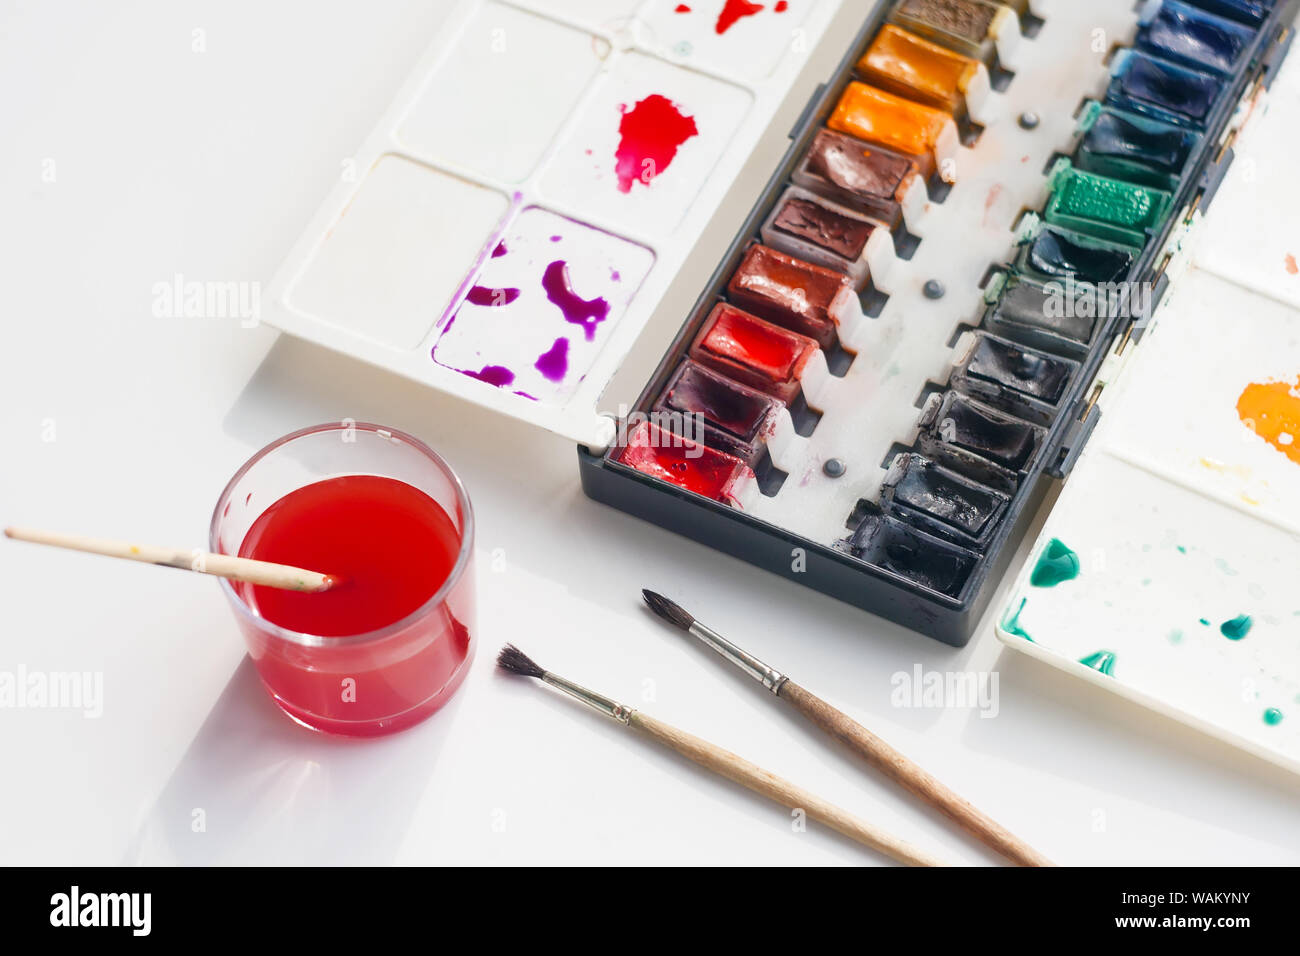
column 670, row 611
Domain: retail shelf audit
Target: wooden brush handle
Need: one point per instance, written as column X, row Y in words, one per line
column 222, row 565
column 727, row 764
column 901, row 770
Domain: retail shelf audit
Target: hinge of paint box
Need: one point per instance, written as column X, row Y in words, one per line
column 807, row 112
column 1088, row 414
column 1272, row 60
column 1076, row 436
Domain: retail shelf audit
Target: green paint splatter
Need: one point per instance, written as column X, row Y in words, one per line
column 1103, row 661
column 1176, row 636
column 1237, row 628
column 1182, row 549
column 1011, row 623
column 1057, row 563
column 1205, row 621
column 1146, row 582
column 1272, row 716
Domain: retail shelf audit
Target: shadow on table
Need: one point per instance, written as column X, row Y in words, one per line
column 256, row 788
column 1157, row 753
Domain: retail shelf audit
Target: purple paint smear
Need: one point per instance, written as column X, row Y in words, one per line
column 585, row 312
column 554, row 362
column 494, row 298
column 556, row 238
column 497, row 375
column 500, row 250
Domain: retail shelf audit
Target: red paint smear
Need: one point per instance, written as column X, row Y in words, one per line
column 650, row 134
column 493, row 298
column 1291, row 265
column 781, row 6
column 682, row 8
column 995, row 191
column 732, row 11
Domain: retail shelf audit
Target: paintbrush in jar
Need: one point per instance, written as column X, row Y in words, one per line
column 857, row 738
column 723, row 762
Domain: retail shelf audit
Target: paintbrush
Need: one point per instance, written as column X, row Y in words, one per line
column 265, row 573
column 723, row 762
column 856, row 737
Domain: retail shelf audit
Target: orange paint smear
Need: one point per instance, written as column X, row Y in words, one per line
column 1272, row 411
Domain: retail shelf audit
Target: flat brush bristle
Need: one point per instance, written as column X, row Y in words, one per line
column 672, row 613
column 516, row 661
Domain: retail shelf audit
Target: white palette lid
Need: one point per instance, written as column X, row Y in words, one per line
column 503, row 234
column 1170, row 559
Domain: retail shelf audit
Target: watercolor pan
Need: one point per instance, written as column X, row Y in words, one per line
column 809, row 299
column 754, row 352
column 908, row 65
column 1133, row 148
column 989, row 32
column 1185, row 34
column 1103, row 206
column 689, row 465
column 923, row 370
column 942, row 502
column 927, row 135
column 910, row 554
column 876, row 182
column 990, row 446
column 729, row 417
column 511, row 221
column 1253, row 12
column 1022, row 381
column 1162, row 90
column 1048, row 253
column 1062, row 316
column 817, row 230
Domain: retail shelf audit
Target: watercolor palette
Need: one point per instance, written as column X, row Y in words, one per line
column 1180, row 593
column 511, row 222
column 924, row 431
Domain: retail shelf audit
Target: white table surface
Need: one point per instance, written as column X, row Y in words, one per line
column 169, row 161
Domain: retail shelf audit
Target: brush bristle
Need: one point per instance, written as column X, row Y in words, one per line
column 516, row 661
column 672, row 613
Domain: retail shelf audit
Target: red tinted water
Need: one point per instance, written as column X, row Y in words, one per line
column 390, row 544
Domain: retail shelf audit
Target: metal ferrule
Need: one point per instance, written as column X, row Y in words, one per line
column 769, row 677
column 606, row 705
